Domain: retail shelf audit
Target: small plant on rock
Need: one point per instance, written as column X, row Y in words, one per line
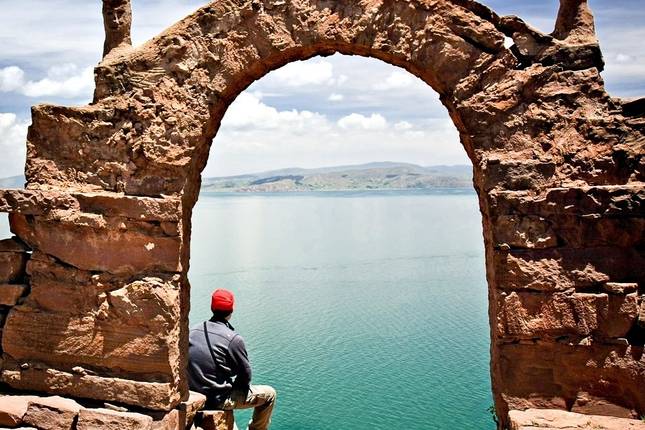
column 491, row 410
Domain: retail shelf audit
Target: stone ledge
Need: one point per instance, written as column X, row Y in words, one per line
column 576, row 217
column 100, row 249
column 54, row 412
column 42, row 202
column 626, row 200
column 543, row 419
column 13, row 409
column 558, row 375
column 90, row 419
column 531, row 315
column 150, row 395
column 559, row 269
column 215, row 420
column 192, row 406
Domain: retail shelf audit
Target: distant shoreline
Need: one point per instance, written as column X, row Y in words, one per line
column 364, row 177
column 375, row 176
column 349, row 190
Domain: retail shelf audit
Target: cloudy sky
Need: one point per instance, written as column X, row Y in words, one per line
column 325, row 111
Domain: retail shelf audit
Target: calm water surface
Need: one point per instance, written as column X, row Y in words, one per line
column 366, row 311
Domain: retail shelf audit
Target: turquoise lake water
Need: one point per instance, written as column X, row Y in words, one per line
column 366, row 311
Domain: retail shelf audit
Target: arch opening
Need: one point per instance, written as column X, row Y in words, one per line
column 299, row 260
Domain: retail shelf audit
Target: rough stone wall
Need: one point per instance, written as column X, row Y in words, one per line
column 557, row 163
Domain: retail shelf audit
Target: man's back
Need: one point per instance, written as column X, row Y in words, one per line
column 218, row 365
column 229, row 371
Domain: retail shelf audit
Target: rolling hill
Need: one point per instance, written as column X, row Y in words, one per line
column 371, row 176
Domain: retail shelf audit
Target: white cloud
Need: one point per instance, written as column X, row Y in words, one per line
column 65, row 81
column 623, row 58
column 335, row 97
column 396, row 80
column 256, row 136
column 414, row 134
column 357, row 121
column 302, row 73
column 428, row 143
column 402, row 125
column 11, row 78
column 341, row 80
column 248, row 112
column 13, row 136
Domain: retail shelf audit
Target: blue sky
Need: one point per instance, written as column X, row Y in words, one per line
column 325, row 111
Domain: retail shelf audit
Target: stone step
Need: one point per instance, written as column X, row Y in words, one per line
column 215, row 420
column 543, row 419
column 55, row 412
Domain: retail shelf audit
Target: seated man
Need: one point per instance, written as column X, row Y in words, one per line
column 219, row 366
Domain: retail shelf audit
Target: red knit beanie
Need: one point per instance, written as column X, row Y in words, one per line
column 222, row 300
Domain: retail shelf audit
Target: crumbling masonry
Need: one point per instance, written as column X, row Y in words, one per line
column 96, row 298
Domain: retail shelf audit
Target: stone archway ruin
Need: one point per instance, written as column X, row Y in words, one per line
column 558, row 170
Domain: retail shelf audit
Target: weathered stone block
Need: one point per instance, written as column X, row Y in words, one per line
column 133, row 329
column 11, row 293
column 591, row 405
column 100, row 249
column 543, row 419
column 524, row 232
column 106, row 419
column 620, row 287
column 621, row 315
column 609, row 201
column 216, row 420
column 52, row 413
column 34, row 202
column 173, row 420
column 533, row 374
column 113, row 170
column 560, row 269
column 13, row 409
column 537, row 315
column 194, row 404
column 43, row 202
column 151, row 395
column 12, row 266
column 13, row 245
column 517, row 175
column 532, row 315
column 163, row 209
column 577, row 217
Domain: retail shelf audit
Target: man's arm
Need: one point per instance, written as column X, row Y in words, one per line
column 240, row 359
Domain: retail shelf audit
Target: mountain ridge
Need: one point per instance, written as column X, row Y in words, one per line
column 368, row 176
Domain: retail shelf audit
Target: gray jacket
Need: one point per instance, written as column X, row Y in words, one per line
column 230, row 376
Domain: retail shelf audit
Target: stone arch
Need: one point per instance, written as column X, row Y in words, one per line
column 557, row 165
